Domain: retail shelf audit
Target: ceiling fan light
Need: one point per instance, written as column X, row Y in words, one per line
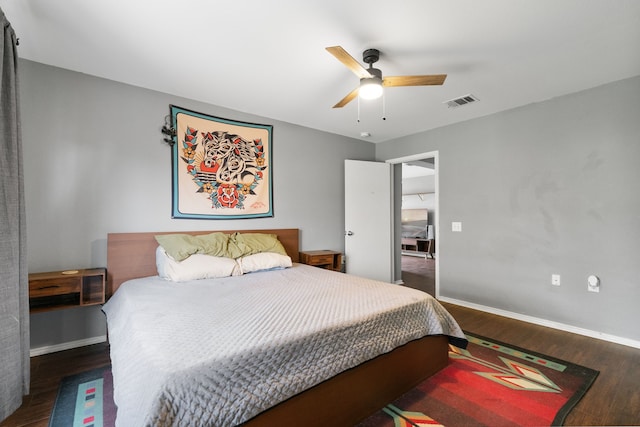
column 370, row 88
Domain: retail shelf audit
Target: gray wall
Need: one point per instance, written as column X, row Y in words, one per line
column 95, row 163
column 547, row 188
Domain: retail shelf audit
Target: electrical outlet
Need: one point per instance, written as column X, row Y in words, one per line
column 555, row 279
column 456, row 226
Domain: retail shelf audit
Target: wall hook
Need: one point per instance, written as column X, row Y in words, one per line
column 169, row 130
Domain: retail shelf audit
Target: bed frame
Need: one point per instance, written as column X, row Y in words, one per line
column 343, row 400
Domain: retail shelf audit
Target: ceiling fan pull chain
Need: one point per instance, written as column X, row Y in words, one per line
column 384, row 107
column 358, row 109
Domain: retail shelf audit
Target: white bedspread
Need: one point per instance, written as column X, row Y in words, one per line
column 218, row 352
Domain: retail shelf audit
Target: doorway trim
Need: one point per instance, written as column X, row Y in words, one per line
column 436, row 225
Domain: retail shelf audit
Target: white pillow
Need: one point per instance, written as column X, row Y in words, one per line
column 264, row 261
column 196, row 266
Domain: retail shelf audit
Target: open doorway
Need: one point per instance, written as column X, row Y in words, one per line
column 417, row 215
column 416, row 221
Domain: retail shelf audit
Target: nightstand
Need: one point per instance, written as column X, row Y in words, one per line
column 331, row 260
column 64, row 289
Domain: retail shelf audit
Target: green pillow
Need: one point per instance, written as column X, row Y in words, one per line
column 253, row 243
column 178, row 246
column 215, row 244
column 182, row 246
column 236, row 245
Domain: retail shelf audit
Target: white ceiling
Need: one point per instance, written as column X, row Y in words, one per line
column 417, row 170
column 268, row 57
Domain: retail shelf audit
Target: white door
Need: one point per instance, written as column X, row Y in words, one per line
column 368, row 219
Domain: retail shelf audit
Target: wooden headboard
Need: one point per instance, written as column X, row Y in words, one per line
column 133, row 255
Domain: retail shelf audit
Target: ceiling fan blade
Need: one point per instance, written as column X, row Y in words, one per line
column 347, row 99
column 435, row 79
column 342, row 56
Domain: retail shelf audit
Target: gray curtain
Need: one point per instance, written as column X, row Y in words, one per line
column 14, row 285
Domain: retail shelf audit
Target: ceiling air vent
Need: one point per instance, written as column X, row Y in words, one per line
column 463, row 100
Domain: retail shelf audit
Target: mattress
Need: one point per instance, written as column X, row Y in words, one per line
column 218, row 352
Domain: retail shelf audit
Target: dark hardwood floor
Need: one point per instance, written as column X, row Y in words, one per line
column 46, row 373
column 614, row 398
column 419, row 273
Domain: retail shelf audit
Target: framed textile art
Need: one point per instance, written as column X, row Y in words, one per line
column 221, row 169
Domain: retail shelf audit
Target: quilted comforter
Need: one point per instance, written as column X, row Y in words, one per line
column 218, row 352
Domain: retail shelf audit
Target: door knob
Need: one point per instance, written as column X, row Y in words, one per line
column 348, row 233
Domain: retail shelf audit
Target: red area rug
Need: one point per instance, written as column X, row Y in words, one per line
column 491, row 384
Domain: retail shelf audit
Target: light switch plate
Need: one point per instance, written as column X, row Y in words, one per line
column 456, row 226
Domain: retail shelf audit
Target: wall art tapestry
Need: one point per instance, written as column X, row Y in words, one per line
column 221, row 168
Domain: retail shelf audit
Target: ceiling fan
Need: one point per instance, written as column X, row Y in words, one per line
column 371, row 80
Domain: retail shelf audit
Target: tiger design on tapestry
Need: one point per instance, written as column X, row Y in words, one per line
column 228, row 168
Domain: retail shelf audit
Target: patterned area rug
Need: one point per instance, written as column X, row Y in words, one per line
column 491, row 384
column 488, row 384
column 85, row 400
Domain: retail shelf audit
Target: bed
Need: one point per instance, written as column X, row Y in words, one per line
column 304, row 380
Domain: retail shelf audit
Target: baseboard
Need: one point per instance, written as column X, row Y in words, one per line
column 415, row 254
column 544, row 322
column 66, row 345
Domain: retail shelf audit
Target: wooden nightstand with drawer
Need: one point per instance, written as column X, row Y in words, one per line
column 64, row 289
column 330, row 260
